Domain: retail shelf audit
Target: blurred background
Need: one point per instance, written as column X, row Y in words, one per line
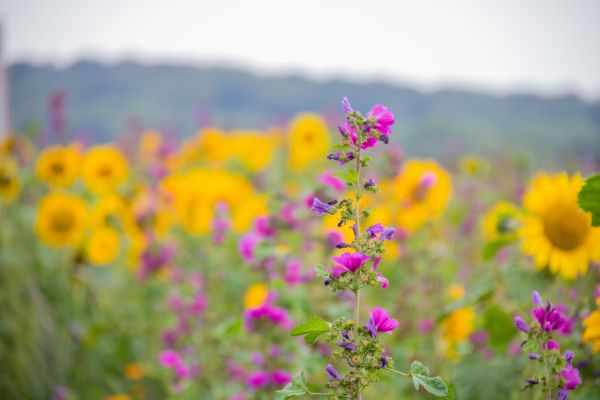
column 159, row 161
column 508, row 76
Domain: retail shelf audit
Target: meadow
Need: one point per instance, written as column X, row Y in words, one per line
column 300, row 261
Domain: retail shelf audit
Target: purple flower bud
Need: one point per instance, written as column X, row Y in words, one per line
column 347, row 345
column 533, row 381
column 383, row 362
column 346, row 105
column 568, row 356
column 387, row 234
column 342, row 245
column 321, row 208
column 521, row 325
column 369, row 183
column 537, row 299
column 345, row 335
column 533, row 356
column 333, row 374
column 327, row 281
column 563, row 394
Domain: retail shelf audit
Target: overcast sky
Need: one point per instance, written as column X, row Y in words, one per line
column 549, row 46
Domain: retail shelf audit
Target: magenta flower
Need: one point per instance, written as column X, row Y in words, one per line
column 258, row 379
column 264, row 227
column 247, row 245
column 348, row 131
column 336, row 184
column 549, row 318
column 571, row 376
column 348, row 262
column 380, row 322
column 275, row 315
column 172, row 359
column 280, row 378
column 384, row 118
column 383, row 280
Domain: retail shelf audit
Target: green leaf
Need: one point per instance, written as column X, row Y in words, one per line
column 491, row 248
column 297, row 387
column 313, row 328
column 350, row 176
column 418, row 368
column 436, row 386
column 321, row 271
column 499, row 325
column 532, row 345
column 589, row 198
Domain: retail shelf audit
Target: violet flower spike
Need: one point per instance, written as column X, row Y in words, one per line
column 332, row 373
column 321, row 208
column 346, row 106
column 537, row 299
column 521, row 325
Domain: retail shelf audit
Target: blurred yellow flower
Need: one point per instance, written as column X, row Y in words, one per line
column 133, row 371
column 103, row 246
column 501, row 222
column 58, row 166
column 421, row 192
column 150, row 142
column 61, row 219
column 9, row 179
column 104, row 169
column 108, row 210
column 308, row 141
column 471, row 165
column 256, row 295
column 214, row 144
column 555, row 231
column 456, row 328
column 456, row 292
column 591, row 328
column 254, row 149
column 118, row 397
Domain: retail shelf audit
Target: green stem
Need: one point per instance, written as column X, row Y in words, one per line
column 399, row 372
column 547, row 373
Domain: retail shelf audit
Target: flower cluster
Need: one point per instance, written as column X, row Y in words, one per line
column 558, row 375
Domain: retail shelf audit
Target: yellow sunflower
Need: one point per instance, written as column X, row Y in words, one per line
column 591, row 328
column 58, row 166
column 9, row 179
column 256, row 295
column 456, row 328
column 308, row 141
column 104, row 169
column 421, row 192
column 555, row 231
column 254, row 149
column 103, row 246
column 501, row 222
column 61, row 219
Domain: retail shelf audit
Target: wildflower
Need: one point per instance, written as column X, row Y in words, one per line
column 571, row 378
column 58, row 166
column 322, row 208
column 267, row 311
column 336, row 184
column 256, row 295
column 104, row 169
column 552, row 345
column 521, row 324
column 382, row 117
column 9, row 179
column 383, row 280
column 103, row 246
column 332, row 373
column 555, row 231
column 457, row 327
column 347, row 345
column 308, row 141
column 247, row 246
column 422, row 190
column 133, row 371
column 61, row 219
column 280, row 378
column 172, row 359
column 501, row 222
column 380, row 322
column 591, row 331
column 346, row 105
column 537, row 299
column 341, row 157
column 348, row 262
column 258, row 379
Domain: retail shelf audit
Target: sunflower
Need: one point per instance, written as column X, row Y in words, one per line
column 501, row 222
column 58, row 166
column 555, row 231
column 256, row 295
column 103, row 246
column 456, row 328
column 254, row 149
column 108, row 210
column 591, row 331
column 61, row 219
column 308, row 141
column 9, row 179
column 104, row 169
column 421, row 192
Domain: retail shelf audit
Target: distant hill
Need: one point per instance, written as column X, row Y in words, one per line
column 101, row 98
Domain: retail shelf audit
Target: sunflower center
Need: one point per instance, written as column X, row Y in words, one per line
column 309, row 137
column 5, row 180
column 566, row 226
column 57, row 168
column 105, row 171
column 62, row 221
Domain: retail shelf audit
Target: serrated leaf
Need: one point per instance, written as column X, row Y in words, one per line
column 418, row 368
column 313, row 328
column 297, row 387
column 321, row 271
column 436, row 385
column 589, row 198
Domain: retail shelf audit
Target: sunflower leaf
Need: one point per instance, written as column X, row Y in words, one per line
column 589, row 198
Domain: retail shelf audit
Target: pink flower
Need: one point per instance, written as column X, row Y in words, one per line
column 380, row 322
column 172, row 359
column 384, row 118
column 247, row 245
column 348, row 262
column 336, row 184
column 275, row 315
column 280, row 378
column 258, row 379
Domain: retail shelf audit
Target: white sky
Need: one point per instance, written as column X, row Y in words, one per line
column 550, row 46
